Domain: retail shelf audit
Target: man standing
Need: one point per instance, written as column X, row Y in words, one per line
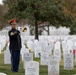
column 15, row 45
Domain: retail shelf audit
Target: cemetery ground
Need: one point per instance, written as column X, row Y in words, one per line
column 43, row 69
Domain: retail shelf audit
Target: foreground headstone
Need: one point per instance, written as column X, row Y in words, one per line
column 53, row 65
column 32, row 68
column 44, row 57
column 7, row 57
column 23, row 51
column 3, row 74
column 68, row 61
column 27, row 57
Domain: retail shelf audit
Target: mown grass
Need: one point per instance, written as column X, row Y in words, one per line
column 43, row 69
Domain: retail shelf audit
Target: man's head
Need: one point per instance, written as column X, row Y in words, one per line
column 13, row 24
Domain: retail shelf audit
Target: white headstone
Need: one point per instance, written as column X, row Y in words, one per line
column 37, row 52
column 23, row 51
column 51, row 44
column 57, row 45
column 43, row 45
column 7, row 57
column 69, row 44
column 64, row 46
column 49, row 49
column 3, row 74
column 68, row 61
column 32, row 68
column 53, row 65
column 27, row 57
column 57, row 53
column 44, row 57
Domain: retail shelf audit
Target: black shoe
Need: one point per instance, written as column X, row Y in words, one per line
column 13, row 70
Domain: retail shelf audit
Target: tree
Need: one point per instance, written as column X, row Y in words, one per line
column 73, row 29
column 2, row 20
column 38, row 11
column 70, row 7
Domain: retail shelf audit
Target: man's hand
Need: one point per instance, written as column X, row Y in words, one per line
column 16, row 32
column 12, row 33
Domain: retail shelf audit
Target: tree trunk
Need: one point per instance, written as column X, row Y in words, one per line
column 36, row 29
column 48, row 30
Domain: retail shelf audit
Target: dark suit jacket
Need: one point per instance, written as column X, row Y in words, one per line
column 15, row 40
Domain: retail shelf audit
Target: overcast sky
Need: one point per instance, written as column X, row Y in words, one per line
column 1, row 1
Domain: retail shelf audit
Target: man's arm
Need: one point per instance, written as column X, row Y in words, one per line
column 13, row 34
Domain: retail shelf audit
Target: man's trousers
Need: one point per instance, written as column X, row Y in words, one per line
column 15, row 59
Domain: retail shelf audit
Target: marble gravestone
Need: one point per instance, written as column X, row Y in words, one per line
column 27, row 57
column 57, row 53
column 53, row 65
column 2, row 73
column 51, row 44
column 29, row 44
column 64, row 46
column 57, row 45
column 37, row 52
column 23, row 51
column 69, row 45
column 49, row 49
column 44, row 57
column 43, row 45
column 32, row 68
column 7, row 57
column 68, row 61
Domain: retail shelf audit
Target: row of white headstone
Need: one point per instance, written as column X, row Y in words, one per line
column 52, row 63
column 49, row 53
column 32, row 67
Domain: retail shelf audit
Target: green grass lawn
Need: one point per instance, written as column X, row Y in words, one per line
column 43, row 69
